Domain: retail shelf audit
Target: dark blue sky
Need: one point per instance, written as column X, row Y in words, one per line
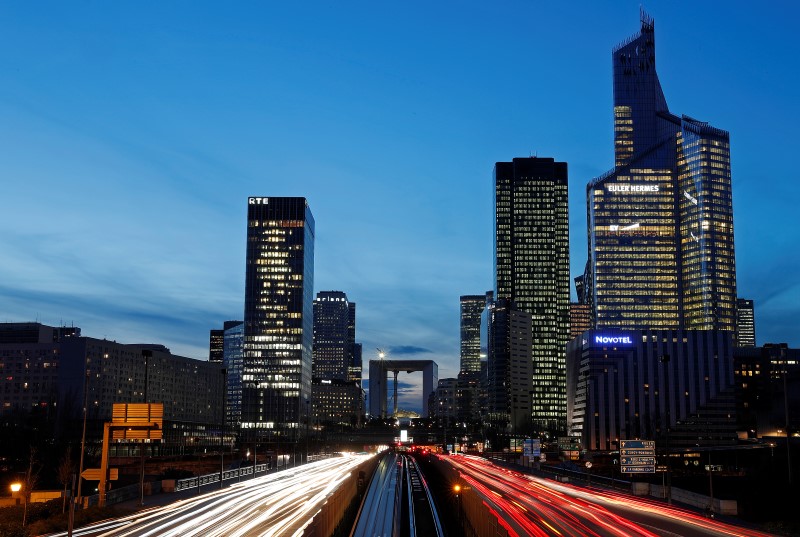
column 132, row 133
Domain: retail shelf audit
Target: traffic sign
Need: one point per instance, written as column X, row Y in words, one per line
column 638, row 469
column 638, row 444
column 637, row 456
column 638, row 460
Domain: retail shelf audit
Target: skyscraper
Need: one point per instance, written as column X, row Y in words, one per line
column 661, row 252
column 532, row 270
column 278, row 312
column 745, row 323
column 334, row 336
column 472, row 308
column 510, row 368
column 215, row 339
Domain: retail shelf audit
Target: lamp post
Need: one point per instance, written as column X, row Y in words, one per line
column 308, row 418
column 786, row 411
column 83, row 434
column 146, row 354
column 665, row 361
column 16, row 488
column 222, row 428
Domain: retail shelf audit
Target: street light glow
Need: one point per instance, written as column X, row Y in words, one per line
column 16, row 487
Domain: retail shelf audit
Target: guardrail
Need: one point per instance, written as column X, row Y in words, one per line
column 198, row 481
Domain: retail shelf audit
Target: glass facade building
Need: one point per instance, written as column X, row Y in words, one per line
column 661, row 250
column 233, row 359
column 472, row 308
column 334, row 335
column 276, row 369
column 510, row 368
column 745, row 323
column 532, row 270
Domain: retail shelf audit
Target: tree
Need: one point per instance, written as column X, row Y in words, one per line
column 65, row 470
column 31, row 478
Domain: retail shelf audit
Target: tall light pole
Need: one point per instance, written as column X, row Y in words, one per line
column 786, row 411
column 83, row 444
column 308, row 419
column 665, row 361
column 146, row 354
column 222, row 428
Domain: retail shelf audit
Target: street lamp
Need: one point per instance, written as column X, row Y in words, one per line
column 222, row 428
column 15, row 487
column 665, row 361
column 308, row 418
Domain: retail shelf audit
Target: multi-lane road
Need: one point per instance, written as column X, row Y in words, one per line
column 279, row 504
column 527, row 505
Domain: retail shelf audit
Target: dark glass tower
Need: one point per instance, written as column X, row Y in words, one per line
column 334, row 336
column 661, row 252
column 532, row 270
column 472, row 308
column 278, row 311
column 745, row 323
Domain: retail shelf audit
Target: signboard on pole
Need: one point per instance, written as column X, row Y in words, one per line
column 137, row 421
column 637, row 456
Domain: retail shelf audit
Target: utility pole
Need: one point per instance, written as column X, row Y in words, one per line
column 786, row 411
column 665, row 361
column 222, row 429
column 146, row 354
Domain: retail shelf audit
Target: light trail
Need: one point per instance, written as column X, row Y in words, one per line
column 541, row 506
column 275, row 505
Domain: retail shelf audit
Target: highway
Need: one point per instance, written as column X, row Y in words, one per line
column 527, row 505
column 279, row 504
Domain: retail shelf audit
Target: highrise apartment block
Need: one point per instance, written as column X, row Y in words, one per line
column 532, row 270
column 278, row 312
column 661, row 252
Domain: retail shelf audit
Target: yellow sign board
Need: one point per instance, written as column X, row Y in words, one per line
column 94, row 474
column 137, row 421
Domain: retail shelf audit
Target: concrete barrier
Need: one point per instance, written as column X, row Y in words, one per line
column 701, row 501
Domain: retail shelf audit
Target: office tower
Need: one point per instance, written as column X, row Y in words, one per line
column 334, row 335
column 745, row 323
column 215, row 345
column 472, row 308
column 580, row 319
column 233, row 361
column 661, row 251
column 510, row 368
column 337, row 394
column 532, row 270
column 278, row 312
column 469, row 376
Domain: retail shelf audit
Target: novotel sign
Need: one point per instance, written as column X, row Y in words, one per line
column 257, row 201
column 628, row 188
column 620, row 340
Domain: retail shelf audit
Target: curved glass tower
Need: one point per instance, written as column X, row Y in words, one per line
column 661, row 251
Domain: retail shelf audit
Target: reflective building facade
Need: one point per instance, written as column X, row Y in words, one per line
column 337, row 394
column 661, row 249
column 278, row 329
column 745, row 323
column 532, row 270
